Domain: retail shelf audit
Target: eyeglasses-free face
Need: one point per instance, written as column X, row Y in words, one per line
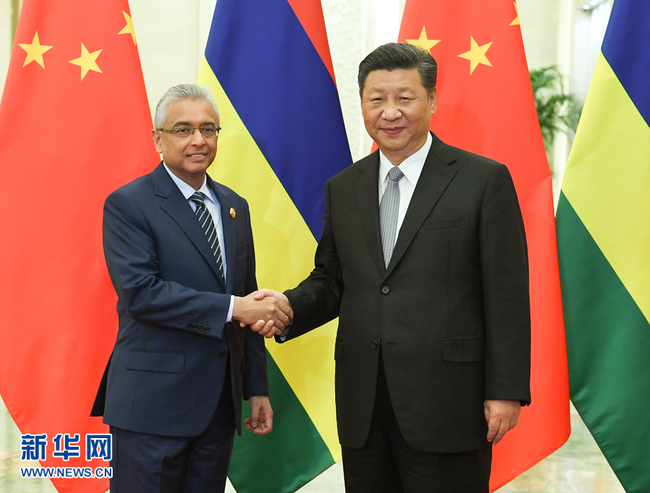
column 397, row 111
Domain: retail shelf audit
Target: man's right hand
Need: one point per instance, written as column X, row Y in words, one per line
column 268, row 328
column 264, row 311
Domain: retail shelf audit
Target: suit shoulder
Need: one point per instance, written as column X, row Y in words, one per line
column 135, row 188
column 355, row 168
column 224, row 189
column 472, row 164
column 470, row 158
column 228, row 192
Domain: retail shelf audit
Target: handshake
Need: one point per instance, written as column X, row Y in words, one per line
column 266, row 311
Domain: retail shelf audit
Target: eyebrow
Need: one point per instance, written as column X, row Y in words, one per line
column 382, row 89
column 188, row 124
column 380, row 92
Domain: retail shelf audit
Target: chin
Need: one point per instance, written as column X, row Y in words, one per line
column 392, row 146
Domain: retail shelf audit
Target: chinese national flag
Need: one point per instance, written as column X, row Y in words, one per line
column 486, row 106
column 74, row 125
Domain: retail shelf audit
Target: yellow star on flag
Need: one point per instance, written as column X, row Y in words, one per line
column 87, row 61
column 476, row 55
column 128, row 29
column 424, row 42
column 34, row 51
column 516, row 21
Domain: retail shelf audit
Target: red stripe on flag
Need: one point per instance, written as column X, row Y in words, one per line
column 310, row 15
column 76, row 125
column 486, row 105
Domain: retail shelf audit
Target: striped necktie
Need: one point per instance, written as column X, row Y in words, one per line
column 388, row 212
column 205, row 219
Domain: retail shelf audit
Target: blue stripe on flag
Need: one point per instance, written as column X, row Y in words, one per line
column 627, row 50
column 284, row 94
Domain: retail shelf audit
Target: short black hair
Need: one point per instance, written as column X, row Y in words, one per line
column 394, row 56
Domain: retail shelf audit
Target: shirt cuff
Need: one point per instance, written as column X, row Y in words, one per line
column 231, row 308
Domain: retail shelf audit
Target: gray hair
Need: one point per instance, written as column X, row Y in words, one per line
column 395, row 56
column 181, row 91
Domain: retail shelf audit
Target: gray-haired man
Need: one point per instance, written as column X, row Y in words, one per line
column 179, row 251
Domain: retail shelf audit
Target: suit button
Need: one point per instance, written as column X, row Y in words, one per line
column 223, row 354
column 374, row 344
column 385, row 290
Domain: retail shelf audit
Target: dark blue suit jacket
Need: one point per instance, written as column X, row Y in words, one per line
column 167, row 369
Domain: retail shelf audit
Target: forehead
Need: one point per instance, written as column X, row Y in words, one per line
column 194, row 111
column 394, row 80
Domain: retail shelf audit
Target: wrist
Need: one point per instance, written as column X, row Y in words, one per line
column 238, row 307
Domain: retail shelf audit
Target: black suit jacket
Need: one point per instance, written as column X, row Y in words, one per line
column 168, row 365
column 450, row 314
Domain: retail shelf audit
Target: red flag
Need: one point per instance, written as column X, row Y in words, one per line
column 74, row 125
column 486, row 105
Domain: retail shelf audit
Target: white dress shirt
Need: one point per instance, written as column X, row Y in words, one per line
column 412, row 168
column 214, row 208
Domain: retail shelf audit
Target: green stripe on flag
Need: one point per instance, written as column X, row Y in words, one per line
column 608, row 344
column 306, row 455
column 607, row 180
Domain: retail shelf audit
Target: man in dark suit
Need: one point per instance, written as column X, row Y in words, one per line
column 179, row 252
column 423, row 258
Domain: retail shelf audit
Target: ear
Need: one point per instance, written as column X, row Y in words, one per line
column 433, row 100
column 157, row 140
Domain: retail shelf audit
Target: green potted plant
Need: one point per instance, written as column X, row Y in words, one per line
column 557, row 111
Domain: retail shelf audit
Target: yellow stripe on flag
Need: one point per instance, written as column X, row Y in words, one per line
column 284, row 250
column 606, row 180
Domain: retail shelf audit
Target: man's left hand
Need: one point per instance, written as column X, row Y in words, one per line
column 261, row 420
column 501, row 417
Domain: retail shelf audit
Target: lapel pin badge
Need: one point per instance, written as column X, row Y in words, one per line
column 232, row 213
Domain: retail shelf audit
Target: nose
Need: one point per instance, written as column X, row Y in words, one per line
column 391, row 111
column 197, row 138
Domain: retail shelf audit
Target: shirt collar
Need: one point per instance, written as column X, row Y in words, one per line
column 188, row 190
column 411, row 166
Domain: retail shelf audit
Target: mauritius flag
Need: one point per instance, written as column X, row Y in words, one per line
column 269, row 68
column 603, row 224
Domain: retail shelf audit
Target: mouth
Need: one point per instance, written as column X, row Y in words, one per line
column 392, row 130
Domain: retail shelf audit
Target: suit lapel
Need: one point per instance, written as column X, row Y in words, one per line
column 434, row 180
column 229, row 231
column 367, row 196
column 175, row 205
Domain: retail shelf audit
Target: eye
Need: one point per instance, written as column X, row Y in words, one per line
column 208, row 131
column 182, row 131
